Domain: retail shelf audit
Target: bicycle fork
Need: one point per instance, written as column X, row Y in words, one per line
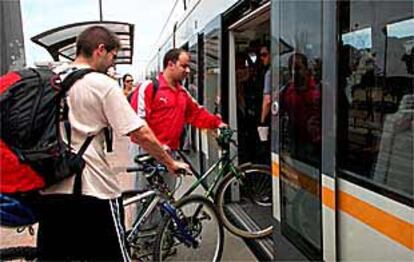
column 184, row 235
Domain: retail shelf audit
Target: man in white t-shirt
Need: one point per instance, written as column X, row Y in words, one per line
column 89, row 226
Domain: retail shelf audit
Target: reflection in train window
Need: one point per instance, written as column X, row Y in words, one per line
column 358, row 39
column 375, row 97
column 300, row 71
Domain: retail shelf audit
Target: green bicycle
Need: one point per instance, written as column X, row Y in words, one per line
column 243, row 191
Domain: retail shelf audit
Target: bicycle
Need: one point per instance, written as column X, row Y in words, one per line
column 237, row 190
column 184, row 224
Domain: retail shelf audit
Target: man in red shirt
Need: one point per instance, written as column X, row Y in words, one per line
column 171, row 107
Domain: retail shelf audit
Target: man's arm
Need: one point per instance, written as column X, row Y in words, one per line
column 199, row 117
column 122, row 118
column 265, row 108
column 266, row 97
column 147, row 140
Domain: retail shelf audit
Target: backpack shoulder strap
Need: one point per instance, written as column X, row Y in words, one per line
column 67, row 83
column 73, row 77
column 155, row 86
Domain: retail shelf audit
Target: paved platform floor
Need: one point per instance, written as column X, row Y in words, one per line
column 234, row 248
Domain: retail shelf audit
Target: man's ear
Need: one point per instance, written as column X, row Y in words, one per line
column 100, row 49
column 170, row 63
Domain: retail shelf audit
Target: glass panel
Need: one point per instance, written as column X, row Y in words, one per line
column 212, row 88
column 193, row 89
column 300, row 123
column 375, row 96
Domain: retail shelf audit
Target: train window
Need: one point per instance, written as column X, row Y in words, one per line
column 375, row 94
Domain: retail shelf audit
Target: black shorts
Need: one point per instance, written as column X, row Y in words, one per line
column 81, row 228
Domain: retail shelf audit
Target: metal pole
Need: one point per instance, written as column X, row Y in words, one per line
column 100, row 11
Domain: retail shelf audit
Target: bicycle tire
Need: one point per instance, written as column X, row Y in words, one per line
column 228, row 221
column 183, row 205
column 23, row 252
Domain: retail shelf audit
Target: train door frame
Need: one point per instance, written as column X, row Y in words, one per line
column 242, row 14
column 200, row 56
column 195, row 45
column 209, row 149
column 239, row 20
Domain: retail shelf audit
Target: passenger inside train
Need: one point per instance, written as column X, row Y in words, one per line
column 252, row 63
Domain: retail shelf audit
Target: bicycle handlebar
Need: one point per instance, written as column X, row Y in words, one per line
column 225, row 137
column 148, row 164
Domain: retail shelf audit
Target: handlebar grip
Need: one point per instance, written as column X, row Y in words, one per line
column 140, row 159
column 133, row 169
column 181, row 171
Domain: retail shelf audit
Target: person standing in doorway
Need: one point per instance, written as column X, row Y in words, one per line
column 264, row 125
column 263, row 128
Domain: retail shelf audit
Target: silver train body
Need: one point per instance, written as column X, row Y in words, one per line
column 342, row 183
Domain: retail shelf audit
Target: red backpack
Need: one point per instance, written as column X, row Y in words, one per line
column 133, row 97
column 32, row 152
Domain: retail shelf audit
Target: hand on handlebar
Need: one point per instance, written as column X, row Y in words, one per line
column 216, row 132
column 223, row 125
column 180, row 168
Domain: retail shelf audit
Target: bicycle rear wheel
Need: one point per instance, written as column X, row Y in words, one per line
column 244, row 203
column 201, row 222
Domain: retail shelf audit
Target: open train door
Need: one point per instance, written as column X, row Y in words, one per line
column 246, row 31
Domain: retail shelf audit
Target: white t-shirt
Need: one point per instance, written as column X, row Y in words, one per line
column 96, row 102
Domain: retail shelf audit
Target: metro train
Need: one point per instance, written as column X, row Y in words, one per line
column 342, row 115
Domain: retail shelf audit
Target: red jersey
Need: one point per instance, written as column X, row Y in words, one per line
column 303, row 106
column 169, row 110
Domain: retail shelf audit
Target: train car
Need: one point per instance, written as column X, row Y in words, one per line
column 342, row 116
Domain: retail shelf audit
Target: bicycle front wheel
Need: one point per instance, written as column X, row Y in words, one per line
column 195, row 235
column 244, row 202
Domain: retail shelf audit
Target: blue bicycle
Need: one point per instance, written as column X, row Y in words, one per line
column 190, row 229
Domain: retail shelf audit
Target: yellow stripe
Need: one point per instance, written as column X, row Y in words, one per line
column 275, row 169
column 328, row 198
column 388, row 224
column 382, row 221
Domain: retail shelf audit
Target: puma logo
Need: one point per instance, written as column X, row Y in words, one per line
column 163, row 99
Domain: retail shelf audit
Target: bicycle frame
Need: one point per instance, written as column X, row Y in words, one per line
column 224, row 164
column 157, row 199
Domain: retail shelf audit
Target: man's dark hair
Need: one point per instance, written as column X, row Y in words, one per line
column 92, row 37
column 172, row 55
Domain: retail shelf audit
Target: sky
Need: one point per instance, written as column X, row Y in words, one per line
column 148, row 16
